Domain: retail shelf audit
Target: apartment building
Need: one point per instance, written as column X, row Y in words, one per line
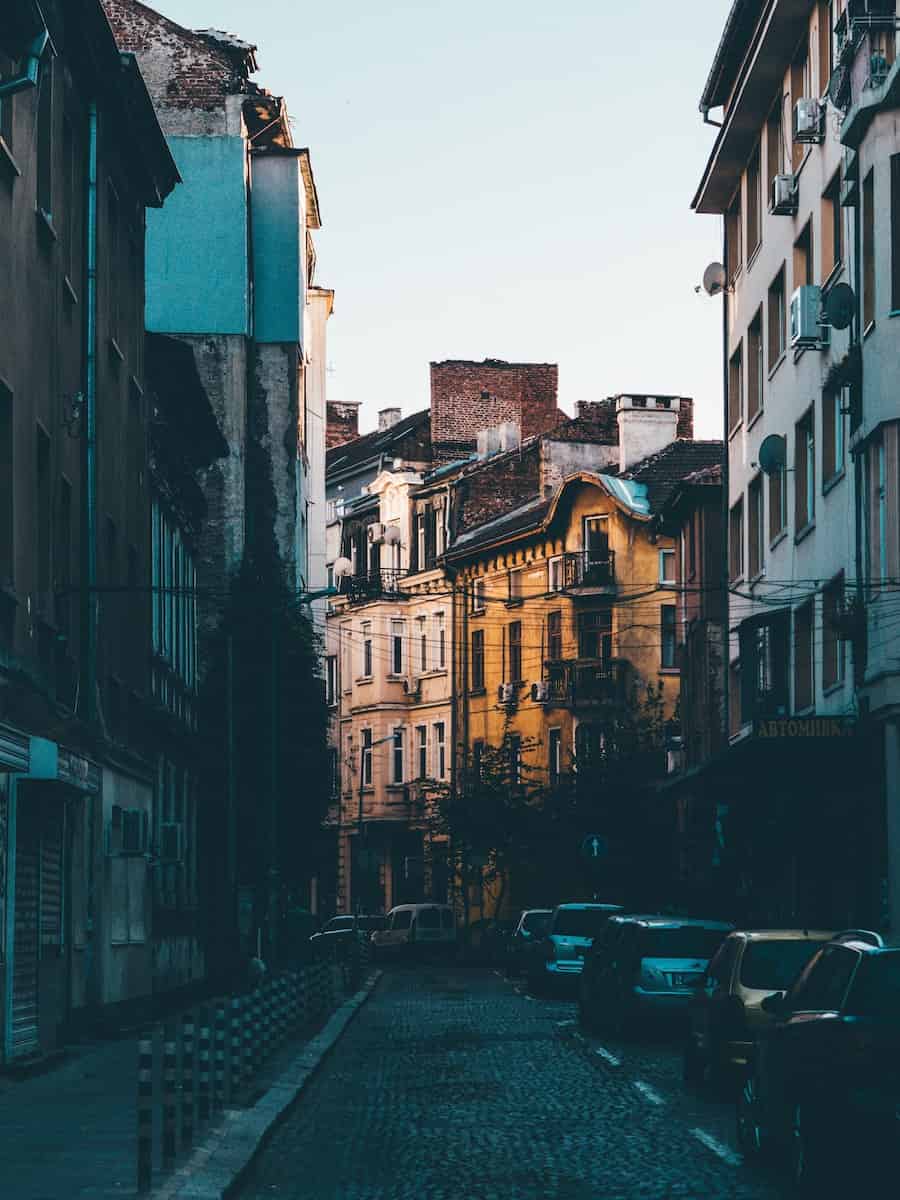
column 803, row 304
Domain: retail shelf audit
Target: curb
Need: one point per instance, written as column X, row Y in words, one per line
column 215, row 1170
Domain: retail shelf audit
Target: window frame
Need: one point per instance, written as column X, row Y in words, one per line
column 833, row 656
column 736, row 541
column 776, row 308
column 736, row 389
column 756, row 545
column 804, row 623
column 754, row 223
column 514, row 647
column 756, row 367
column 668, row 637
column 804, row 473
column 476, row 661
column 398, row 756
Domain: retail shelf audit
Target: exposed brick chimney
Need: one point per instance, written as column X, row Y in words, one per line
column 341, row 423
column 646, row 425
column 467, row 397
column 388, row 417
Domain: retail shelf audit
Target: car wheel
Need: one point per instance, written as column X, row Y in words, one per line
column 750, row 1133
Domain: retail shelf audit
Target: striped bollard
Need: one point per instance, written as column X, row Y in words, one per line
column 145, row 1114
column 247, row 1037
column 282, row 1009
column 187, row 1080
column 219, row 1056
column 237, row 1046
column 256, row 1030
column 168, row 1144
column 203, row 1046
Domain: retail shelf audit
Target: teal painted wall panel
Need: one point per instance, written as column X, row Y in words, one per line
column 197, row 260
column 279, row 243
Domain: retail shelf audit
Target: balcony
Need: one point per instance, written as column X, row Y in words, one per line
column 377, row 585
column 589, row 572
column 588, row 683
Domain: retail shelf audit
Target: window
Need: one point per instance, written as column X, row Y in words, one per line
column 832, row 227
column 441, row 641
column 733, row 242
column 396, row 647
column 823, row 40
column 515, row 759
column 804, row 473
column 420, row 541
column 754, row 224
column 736, row 542
column 777, row 320
column 366, row 650
column 668, row 637
column 346, row 641
column 878, row 556
column 331, row 680
column 555, row 574
column 421, row 751
column 478, row 596
column 397, row 767
column 755, row 372
column 554, row 635
column 895, row 232
column 833, row 402
column 804, row 694
column 367, row 757
column 765, row 652
column 832, row 646
column 440, row 750
column 667, row 566
column 515, row 652
column 868, row 249
column 777, row 503
column 422, row 637
column 45, row 137
column 554, row 754
column 803, row 257
column 755, row 544
column 735, row 389
column 7, row 508
column 595, row 634
column 478, row 660
column 42, row 510
column 514, row 583
column 774, row 143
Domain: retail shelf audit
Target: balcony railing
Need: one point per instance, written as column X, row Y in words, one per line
column 584, row 683
column 377, row 585
column 589, row 569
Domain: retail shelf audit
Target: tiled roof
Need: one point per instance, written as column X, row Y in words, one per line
column 665, row 471
column 527, row 516
column 362, row 449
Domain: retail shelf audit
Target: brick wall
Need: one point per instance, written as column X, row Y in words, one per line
column 342, row 423
column 497, row 486
column 595, row 420
column 467, row 397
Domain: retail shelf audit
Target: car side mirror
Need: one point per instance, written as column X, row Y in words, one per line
column 774, row 1005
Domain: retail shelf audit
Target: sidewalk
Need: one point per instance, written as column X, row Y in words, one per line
column 71, row 1133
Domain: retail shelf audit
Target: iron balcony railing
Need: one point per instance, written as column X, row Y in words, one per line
column 376, row 585
column 589, row 569
column 584, row 683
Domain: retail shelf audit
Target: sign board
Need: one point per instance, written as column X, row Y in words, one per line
column 594, row 847
column 796, row 728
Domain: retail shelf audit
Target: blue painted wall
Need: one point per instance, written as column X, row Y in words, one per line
column 197, row 254
column 277, row 210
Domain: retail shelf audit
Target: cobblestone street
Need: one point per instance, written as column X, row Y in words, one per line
column 453, row 1083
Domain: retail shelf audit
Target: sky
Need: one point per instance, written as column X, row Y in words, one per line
column 502, row 179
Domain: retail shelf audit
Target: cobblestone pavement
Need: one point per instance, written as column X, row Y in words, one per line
column 451, row 1083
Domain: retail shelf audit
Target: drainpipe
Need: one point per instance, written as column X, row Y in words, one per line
column 29, row 76
column 89, row 509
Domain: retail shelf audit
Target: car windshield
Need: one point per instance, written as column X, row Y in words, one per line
column 536, row 922
column 429, row 918
column 773, row 966
column 681, row 941
column 580, row 922
column 339, row 923
column 876, row 987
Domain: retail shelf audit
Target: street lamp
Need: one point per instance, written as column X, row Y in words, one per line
column 362, row 783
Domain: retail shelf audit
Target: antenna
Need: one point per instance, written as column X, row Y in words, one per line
column 715, row 279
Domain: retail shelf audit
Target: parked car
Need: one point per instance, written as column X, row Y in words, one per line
column 560, row 953
column 337, row 935
column 416, row 927
column 486, row 940
column 646, row 965
column 532, row 925
column 825, row 1072
column 725, row 1011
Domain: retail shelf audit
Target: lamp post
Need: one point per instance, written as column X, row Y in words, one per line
column 360, row 824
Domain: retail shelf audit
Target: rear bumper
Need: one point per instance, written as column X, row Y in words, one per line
column 659, row 1003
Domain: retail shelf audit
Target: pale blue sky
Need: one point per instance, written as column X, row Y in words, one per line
column 502, row 179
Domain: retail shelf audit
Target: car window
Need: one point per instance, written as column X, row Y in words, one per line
column 402, row 919
column 429, row 918
column 722, row 962
column 580, row 922
column 536, row 922
column 773, row 966
column 337, row 923
column 446, row 918
column 823, row 986
column 876, row 987
column 680, row 941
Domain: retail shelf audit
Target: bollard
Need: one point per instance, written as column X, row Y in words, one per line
column 168, row 1146
column 247, row 1036
column 256, row 1029
column 145, row 1114
column 187, row 1080
column 203, row 1049
column 237, row 1047
column 302, row 977
column 219, row 1075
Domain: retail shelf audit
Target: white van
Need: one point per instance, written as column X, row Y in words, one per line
column 418, row 926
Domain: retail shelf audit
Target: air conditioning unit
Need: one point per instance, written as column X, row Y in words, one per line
column 540, row 691
column 809, row 121
column 134, row 831
column 376, row 533
column 171, row 842
column 784, row 196
column 806, row 308
column 506, row 693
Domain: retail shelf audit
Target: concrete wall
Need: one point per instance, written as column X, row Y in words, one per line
column 319, row 303
column 273, row 414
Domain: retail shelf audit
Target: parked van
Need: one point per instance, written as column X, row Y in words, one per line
column 416, row 926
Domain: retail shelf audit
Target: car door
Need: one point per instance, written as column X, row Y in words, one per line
column 709, row 1006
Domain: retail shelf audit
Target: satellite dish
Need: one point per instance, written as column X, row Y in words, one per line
column 343, row 567
column 392, row 535
column 714, row 279
column 773, row 454
column 839, row 306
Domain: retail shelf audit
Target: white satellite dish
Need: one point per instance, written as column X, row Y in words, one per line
column 714, row 279
column 343, row 568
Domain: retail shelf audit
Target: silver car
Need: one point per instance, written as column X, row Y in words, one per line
column 560, row 954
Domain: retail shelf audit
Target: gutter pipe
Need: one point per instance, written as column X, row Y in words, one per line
column 89, row 592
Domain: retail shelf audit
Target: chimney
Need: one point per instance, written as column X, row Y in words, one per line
column 387, row 417
column 341, row 422
column 647, row 424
